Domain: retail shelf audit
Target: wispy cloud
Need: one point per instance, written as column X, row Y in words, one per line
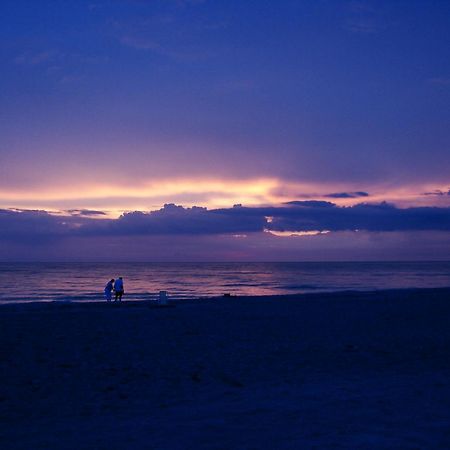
column 61, row 67
column 189, row 2
column 347, row 194
column 139, row 43
column 168, row 30
column 71, row 78
column 85, row 212
column 437, row 193
column 33, row 59
column 183, row 53
column 177, row 3
column 440, row 81
column 94, row 6
column 236, row 86
column 362, row 18
column 362, row 26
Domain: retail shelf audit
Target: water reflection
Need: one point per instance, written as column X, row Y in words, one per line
column 85, row 282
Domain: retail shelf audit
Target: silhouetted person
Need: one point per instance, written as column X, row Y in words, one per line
column 108, row 290
column 118, row 289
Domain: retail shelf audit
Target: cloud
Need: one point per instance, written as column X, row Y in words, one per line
column 437, row 193
column 183, row 3
column 69, row 79
column 178, row 3
column 362, row 18
column 236, row 86
column 85, row 212
column 139, row 43
column 182, row 53
column 63, row 67
column 310, row 203
column 347, row 194
column 440, row 81
column 94, row 6
column 368, row 217
column 297, row 216
column 33, row 59
column 361, row 26
column 33, row 225
column 165, row 29
column 174, row 219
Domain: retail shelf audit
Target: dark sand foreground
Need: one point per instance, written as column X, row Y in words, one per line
column 341, row 371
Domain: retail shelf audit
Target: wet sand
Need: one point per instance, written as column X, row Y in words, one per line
column 347, row 370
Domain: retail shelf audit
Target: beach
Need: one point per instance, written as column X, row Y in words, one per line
column 330, row 370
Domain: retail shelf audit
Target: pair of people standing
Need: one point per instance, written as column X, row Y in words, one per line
column 117, row 287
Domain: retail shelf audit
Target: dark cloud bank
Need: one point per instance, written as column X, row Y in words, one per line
column 348, row 194
column 39, row 226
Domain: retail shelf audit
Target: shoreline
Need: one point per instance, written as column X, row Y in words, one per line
column 331, row 295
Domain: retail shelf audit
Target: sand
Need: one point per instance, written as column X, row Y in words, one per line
column 344, row 371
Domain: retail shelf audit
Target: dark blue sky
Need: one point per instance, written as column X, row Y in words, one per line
column 125, row 105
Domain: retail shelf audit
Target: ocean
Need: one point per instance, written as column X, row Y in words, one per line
column 31, row 282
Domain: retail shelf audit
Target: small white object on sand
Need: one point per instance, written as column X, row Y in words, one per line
column 162, row 298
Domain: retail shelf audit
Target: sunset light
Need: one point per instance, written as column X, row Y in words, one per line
column 224, row 224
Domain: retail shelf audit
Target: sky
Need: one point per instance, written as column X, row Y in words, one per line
column 223, row 130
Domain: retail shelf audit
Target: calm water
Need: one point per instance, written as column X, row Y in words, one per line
column 85, row 282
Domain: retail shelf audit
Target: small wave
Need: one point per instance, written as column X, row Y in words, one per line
column 297, row 287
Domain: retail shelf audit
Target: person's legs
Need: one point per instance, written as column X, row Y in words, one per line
column 116, row 296
column 120, row 296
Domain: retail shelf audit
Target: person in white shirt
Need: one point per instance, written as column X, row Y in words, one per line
column 118, row 289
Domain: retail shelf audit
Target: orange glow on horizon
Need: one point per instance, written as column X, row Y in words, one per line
column 296, row 233
column 210, row 193
column 150, row 189
column 115, row 200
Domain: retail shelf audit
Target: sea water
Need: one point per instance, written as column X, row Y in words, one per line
column 24, row 282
